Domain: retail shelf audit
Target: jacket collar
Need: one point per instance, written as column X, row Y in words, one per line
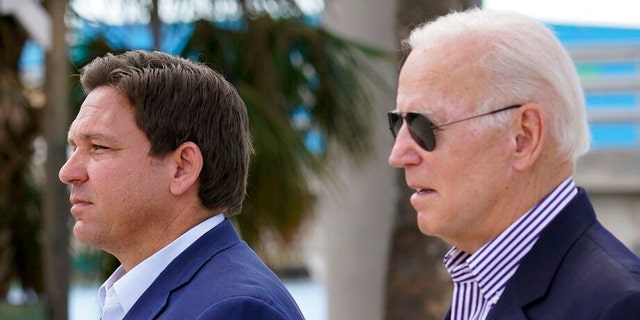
column 182, row 269
column 536, row 271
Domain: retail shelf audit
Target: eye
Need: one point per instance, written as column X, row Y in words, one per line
column 98, row 147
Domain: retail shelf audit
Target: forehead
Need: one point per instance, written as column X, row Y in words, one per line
column 441, row 77
column 105, row 113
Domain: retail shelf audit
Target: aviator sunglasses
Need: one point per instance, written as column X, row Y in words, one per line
column 421, row 128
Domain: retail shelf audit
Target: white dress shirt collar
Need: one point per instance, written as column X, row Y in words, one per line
column 129, row 286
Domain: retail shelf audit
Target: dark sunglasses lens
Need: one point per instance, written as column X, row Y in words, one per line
column 421, row 131
column 395, row 123
column 419, row 128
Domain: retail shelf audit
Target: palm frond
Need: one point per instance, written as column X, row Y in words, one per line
column 282, row 66
column 286, row 70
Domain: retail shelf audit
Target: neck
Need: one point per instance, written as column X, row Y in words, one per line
column 524, row 192
column 158, row 235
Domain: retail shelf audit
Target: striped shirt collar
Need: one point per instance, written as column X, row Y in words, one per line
column 479, row 279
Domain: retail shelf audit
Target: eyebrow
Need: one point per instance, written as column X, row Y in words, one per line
column 92, row 137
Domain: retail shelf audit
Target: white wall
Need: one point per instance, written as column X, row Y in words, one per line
column 612, row 181
column 349, row 247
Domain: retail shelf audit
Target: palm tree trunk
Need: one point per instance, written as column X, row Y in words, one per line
column 17, row 130
column 56, row 205
column 418, row 286
column 156, row 24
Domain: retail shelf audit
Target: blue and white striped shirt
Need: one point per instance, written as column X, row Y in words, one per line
column 480, row 279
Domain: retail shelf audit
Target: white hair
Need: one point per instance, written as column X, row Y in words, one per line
column 526, row 64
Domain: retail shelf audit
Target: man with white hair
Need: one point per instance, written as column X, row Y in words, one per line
column 489, row 121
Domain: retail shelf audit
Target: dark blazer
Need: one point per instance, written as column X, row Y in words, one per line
column 577, row 270
column 217, row 277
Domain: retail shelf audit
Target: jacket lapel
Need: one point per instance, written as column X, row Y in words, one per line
column 182, row 269
column 536, row 271
column 447, row 316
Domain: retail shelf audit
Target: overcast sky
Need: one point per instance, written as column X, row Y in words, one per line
column 617, row 13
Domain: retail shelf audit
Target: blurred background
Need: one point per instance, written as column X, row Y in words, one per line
column 324, row 209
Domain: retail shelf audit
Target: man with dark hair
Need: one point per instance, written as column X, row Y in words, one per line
column 161, row 149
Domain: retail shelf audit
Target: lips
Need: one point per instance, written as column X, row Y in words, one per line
column 421, row 190
column 76, row 200
column 424, row 191
column 78, row 203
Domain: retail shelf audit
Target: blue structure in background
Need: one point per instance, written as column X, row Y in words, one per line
column 129, row 36
column 139, row 36
column 174, row 40
column 592, row 36
column 617, row 102
column 607, row 134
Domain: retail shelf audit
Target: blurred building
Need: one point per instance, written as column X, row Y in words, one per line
column 608, row 60
column 347, row 247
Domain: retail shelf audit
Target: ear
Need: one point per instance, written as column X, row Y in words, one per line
column 188, row 164
column 530, row 135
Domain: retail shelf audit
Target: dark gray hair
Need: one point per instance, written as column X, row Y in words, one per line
column 175, row 100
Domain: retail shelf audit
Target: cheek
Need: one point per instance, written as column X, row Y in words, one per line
column 117, row 184
column 481, row 169
column 460, row 170
column 145, row 186
column 478, row 151
column 470, row 169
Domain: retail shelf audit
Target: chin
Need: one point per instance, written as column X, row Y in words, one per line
column 83, row 233
column 425, row 227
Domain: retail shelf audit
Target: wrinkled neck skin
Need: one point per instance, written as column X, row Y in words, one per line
column 524, row 191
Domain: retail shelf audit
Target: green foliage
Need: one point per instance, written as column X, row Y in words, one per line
column 20, row 252
column 280, row 67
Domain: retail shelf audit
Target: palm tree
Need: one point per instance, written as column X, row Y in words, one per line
column 284, row 68
column 300, row 84
column 418, row 287
column 55, row 209
column 274, row 86
column 23, row 225
column 19, row 201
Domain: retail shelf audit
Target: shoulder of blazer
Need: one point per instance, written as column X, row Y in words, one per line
column 182, row 269
column 575, row 257
column 536, row 271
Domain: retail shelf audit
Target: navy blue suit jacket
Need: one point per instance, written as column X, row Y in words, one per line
column 577, row 270
column 217, row 277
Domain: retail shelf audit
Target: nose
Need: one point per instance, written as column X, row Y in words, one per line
column 73, row 171
column 405, row 151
